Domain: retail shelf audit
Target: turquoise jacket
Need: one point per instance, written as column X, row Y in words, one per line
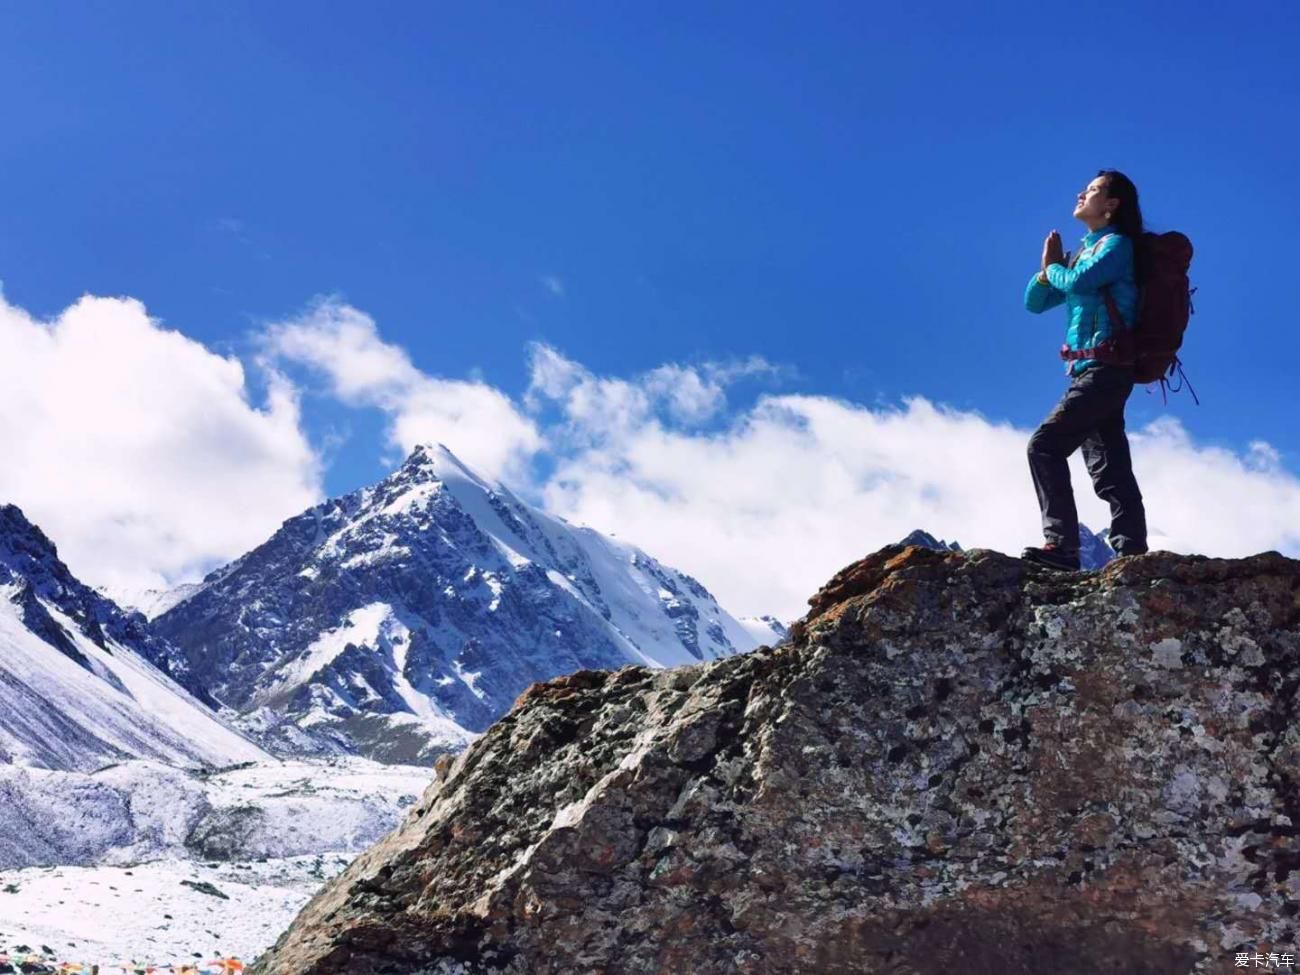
column 1105, row 259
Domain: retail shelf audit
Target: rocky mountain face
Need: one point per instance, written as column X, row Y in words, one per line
column 1094, row 550
column 401, row 620
column 39, row 583
column 958, row 762
column 82, row 683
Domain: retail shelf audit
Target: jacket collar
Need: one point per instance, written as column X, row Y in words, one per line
column 1092, row 236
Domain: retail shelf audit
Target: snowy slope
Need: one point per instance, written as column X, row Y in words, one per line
column 616, row 579
column 144, row 810
column 143, row 861
column 401, row 620
column 166, row 912
column 149, row 603
column 80, row 682
column 58, row 713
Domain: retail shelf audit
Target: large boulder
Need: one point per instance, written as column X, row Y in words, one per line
column 957, row 762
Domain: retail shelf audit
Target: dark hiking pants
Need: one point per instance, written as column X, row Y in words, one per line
column 1090, row 415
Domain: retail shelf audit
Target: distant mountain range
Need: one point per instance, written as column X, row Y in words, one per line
column 1094, row 552
column 396, row 622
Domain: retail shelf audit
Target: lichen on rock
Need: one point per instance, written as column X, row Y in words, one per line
column 956, row 762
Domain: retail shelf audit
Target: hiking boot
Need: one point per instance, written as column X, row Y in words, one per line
column 1052, row 556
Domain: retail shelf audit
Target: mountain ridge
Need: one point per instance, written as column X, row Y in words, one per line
column 83, row 684
column 398, row 621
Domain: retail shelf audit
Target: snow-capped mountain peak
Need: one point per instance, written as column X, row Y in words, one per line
column 435, row 461
column 403, row 618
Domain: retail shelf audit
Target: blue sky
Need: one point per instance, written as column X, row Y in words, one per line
column 854, row 193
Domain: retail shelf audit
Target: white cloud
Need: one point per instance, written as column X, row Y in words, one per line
column 766, row 510
column 552, row 284
column 1263, row 456
column 137, row 449
column 1212, row 501
column 764, row 504
column 600, row 407
column 592, row 407
column 478, row 422
column 690, row 397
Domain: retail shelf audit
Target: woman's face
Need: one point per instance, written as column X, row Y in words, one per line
column 1094, row 203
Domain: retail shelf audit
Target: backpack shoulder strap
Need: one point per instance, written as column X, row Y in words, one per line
column 1112, row 309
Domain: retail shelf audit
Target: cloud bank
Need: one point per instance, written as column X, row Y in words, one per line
column 795, row 487
column 765, row 501
column 141, row 454
column 138, row 450
column 343, row 344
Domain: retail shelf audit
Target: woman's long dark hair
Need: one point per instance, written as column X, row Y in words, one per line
column 1128, row 216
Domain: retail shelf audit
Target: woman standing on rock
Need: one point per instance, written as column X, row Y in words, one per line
column 1099, row 291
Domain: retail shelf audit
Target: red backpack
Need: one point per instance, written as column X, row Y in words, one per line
column 1164, row 306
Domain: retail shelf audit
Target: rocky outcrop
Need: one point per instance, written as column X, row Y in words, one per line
column 957, row 762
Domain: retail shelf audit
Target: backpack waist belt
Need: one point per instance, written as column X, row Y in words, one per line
column 1111, row 351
